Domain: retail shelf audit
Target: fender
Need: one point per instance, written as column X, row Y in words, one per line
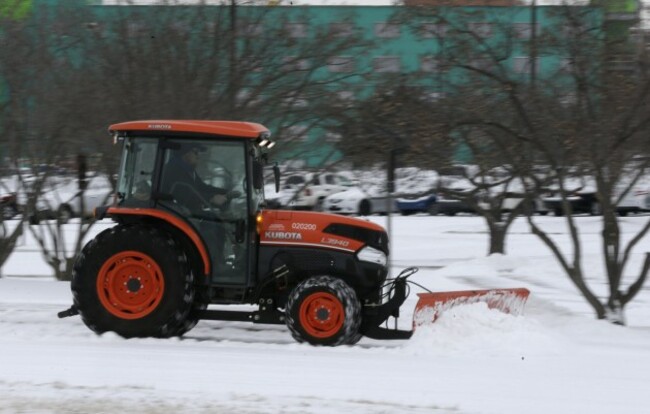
column 172, row 220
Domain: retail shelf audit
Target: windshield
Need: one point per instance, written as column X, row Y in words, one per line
column 138, row 162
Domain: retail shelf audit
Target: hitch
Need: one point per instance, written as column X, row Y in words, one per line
column 374, row 316
column 68, row 312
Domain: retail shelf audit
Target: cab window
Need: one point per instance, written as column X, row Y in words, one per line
column 138, row 161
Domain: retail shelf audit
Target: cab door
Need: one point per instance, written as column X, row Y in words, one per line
column 204, row 182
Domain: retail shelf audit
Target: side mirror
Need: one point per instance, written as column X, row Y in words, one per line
column 258, row 175
column 276, row 177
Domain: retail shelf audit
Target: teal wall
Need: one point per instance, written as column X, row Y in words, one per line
column 409, row 46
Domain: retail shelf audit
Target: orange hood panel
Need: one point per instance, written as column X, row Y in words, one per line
column 305, row 229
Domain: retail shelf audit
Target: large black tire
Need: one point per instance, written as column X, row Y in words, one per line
column 193, row 316
column 135, row 281
column 324, row 310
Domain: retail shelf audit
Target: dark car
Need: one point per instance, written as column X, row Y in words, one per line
column 8, row 205
column 580, row 202
column 418, row 203
column 451, row 206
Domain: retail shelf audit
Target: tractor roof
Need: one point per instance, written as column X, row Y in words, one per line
column 227, row 128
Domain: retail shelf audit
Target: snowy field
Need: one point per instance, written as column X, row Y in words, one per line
column 554, row 359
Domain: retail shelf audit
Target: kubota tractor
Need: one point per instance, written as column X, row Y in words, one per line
column 192, row 230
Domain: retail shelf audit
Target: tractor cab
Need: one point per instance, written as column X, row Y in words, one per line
column 210, row 184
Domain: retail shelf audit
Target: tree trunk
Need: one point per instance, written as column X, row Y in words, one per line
column 497, row 239
column 577, row 277
column 7, row 244
column 614, row 311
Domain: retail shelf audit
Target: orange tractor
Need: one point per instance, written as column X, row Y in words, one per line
column 192, row 231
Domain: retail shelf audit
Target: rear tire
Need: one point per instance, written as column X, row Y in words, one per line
column 135, row 281
column 324, row 310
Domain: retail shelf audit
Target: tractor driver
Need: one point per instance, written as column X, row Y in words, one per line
column 188, row 189
column 181, row 180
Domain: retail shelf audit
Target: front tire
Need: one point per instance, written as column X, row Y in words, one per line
column 135, row 281
column 324, row 310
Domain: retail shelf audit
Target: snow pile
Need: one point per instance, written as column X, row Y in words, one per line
column 555, row 359
column 476, row 329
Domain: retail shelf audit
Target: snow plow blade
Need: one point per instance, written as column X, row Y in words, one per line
column 431, row 305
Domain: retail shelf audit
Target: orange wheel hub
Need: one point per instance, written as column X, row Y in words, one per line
column 130, row 285
column 321, row 315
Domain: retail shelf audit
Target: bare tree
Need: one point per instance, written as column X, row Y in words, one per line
column 197, row 62
column 73, row 69
column 40, row 124
column 583, row 117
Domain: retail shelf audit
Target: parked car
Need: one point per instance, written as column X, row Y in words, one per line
column 581, row 195
column 62, row 201
column 580, row 202
column 9, row 200
column 9, row 206
column 637, row 198
column 513, row 199
column 513, row 193
column 451, row 206
column 307, row 191
column 418, row 203
column 635, row 201
column 454, row 180
column 358, row 201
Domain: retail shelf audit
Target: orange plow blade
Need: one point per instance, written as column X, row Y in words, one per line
column 431, row 305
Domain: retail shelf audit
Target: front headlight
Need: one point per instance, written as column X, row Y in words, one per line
column 372, row 255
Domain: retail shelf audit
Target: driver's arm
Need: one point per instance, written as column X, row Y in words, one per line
column 217, row 196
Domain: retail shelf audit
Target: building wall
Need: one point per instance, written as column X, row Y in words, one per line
column 400, row 47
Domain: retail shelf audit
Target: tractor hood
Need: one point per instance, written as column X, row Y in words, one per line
column 328, row 231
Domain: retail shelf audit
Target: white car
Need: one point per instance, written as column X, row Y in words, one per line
column 308, row 190
column 636, row 200
column 64, row 200
column 359, row 202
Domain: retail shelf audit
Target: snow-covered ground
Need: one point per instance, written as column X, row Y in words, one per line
column 554, row 359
